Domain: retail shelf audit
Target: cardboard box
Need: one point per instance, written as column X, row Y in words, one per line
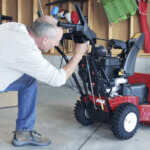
column 8, row 99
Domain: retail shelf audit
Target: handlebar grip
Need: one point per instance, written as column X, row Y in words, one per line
column 66, row 25
column 75, row 27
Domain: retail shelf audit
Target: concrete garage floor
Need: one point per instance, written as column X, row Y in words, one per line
column 55, row 119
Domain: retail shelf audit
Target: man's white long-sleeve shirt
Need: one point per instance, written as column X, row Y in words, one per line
column 20, row 55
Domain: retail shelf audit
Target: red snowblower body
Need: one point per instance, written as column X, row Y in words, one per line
column 109, row 83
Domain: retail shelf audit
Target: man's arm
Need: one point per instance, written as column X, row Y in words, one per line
column 81, row 50
column 31, row 62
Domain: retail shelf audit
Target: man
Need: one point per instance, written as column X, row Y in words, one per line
column 22, row 64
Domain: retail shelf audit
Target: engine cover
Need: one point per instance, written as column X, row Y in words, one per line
column 110, row 65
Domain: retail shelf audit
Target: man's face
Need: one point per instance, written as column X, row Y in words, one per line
column 49, row 43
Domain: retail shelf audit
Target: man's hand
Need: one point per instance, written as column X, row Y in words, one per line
column 82, row 48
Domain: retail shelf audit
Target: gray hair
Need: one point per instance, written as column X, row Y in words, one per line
column 43, row 28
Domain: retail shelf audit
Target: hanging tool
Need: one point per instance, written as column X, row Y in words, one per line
column 75, row 17
column 143, row 10
column 41, row 7
column 40, row 13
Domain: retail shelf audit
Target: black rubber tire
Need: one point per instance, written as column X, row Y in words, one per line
column 79, row 113
column 118, row 118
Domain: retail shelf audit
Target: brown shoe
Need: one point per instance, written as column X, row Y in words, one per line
column 22, row 138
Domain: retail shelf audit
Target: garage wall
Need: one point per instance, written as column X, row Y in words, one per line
column 25, row 11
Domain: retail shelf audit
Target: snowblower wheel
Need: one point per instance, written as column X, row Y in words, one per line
column 125, row 121
column 81, row 114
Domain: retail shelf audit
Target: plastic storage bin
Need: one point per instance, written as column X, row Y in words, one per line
column 119, row 10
